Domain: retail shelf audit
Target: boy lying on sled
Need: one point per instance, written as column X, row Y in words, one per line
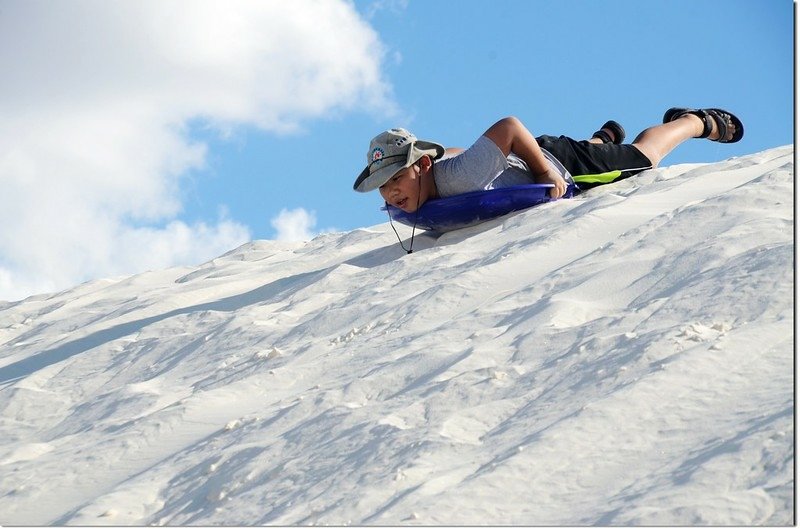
column 408, row 171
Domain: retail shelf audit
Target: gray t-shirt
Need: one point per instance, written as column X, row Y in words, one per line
column 483, row 166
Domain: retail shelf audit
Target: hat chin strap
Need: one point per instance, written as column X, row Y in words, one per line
column 410, row 248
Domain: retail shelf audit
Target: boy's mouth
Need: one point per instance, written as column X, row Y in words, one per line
column 402, row 203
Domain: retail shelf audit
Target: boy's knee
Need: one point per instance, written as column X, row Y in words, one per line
column 654, row 157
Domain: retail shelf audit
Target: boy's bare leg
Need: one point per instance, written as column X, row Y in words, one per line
column 658, row 141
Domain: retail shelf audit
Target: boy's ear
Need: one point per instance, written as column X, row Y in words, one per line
column 425, row 162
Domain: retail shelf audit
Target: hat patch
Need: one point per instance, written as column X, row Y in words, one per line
column 377, row 154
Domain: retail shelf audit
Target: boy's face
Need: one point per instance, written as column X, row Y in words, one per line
column 407, row 186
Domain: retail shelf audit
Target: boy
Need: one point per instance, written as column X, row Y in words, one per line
column 408, row 171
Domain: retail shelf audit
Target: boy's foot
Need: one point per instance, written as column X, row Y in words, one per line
column 610, row 132
column 718, row 125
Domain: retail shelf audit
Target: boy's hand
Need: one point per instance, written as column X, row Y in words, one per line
column 551, row 176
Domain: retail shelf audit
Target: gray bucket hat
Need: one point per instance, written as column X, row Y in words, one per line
column 389, row 152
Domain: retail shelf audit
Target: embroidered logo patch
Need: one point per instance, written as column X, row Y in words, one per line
column 377, row 154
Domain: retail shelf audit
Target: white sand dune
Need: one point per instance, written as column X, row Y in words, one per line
column 621, row 358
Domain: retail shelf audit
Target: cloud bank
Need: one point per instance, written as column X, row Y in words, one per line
column 294, row 225
column 96, row 105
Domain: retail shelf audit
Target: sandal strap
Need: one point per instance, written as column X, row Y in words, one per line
column 707, row 125
column 703, row 115
column 616, row 128
column 603, row 135
column 722, row 123
column 674, row 112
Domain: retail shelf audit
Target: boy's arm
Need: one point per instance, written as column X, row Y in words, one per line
column 510, row 135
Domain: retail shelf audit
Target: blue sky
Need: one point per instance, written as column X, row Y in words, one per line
column 144, row 134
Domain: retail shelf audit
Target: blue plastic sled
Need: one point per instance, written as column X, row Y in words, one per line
column 468, row 209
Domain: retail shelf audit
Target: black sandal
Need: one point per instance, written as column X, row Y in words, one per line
column 613, row 126
column 721, row 117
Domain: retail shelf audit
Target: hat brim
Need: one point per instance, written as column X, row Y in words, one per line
column 369, row 182
column 366, row 182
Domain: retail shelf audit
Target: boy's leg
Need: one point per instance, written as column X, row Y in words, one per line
column 658, row 141
column 592, row 164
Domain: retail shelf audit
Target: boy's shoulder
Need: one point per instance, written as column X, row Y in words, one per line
column 469, row 170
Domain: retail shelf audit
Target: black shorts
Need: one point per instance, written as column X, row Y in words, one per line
column 594, row 164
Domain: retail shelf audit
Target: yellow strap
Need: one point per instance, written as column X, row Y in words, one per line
column 603, row 178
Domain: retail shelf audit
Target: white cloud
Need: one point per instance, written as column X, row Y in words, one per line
column 95, row 103
column 393, row 7
column 294, row 225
